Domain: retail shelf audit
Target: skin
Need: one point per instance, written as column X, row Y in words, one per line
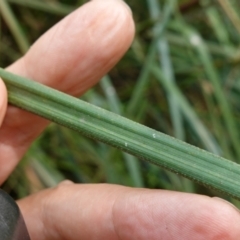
column 72, row 57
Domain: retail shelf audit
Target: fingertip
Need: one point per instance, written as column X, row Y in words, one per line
column 109, row 30
column 174, row 215
column 90, row 40
column 228, row 218
column 227, row 203
column 124, row 21
column 125, row 15
column 3, row 101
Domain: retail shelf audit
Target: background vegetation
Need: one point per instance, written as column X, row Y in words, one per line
column 181, row 77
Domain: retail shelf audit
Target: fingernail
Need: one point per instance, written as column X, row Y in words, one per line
column 227, row 202
column 66, row 182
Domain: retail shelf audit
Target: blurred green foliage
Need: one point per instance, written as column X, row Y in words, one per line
column 181, row 76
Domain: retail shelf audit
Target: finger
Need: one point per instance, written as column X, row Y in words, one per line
column 112, row 212
column 3, row 101
column 71, row 57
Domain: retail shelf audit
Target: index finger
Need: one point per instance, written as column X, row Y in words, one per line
column 71, row 57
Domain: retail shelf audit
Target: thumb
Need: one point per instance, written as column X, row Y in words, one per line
column 3, row 101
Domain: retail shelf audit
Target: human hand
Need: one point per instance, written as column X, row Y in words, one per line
column 72, row 57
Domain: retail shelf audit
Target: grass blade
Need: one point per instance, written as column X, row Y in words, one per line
column 144, row 75
column 206, row 137
column 115, row 106
column 166, row 63
column 232, row 14
column 50, row 7
column 13, row 24
column 214, row 77
column 143, row 142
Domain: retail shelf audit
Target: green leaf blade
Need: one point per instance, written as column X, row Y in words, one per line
column 136, row 139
